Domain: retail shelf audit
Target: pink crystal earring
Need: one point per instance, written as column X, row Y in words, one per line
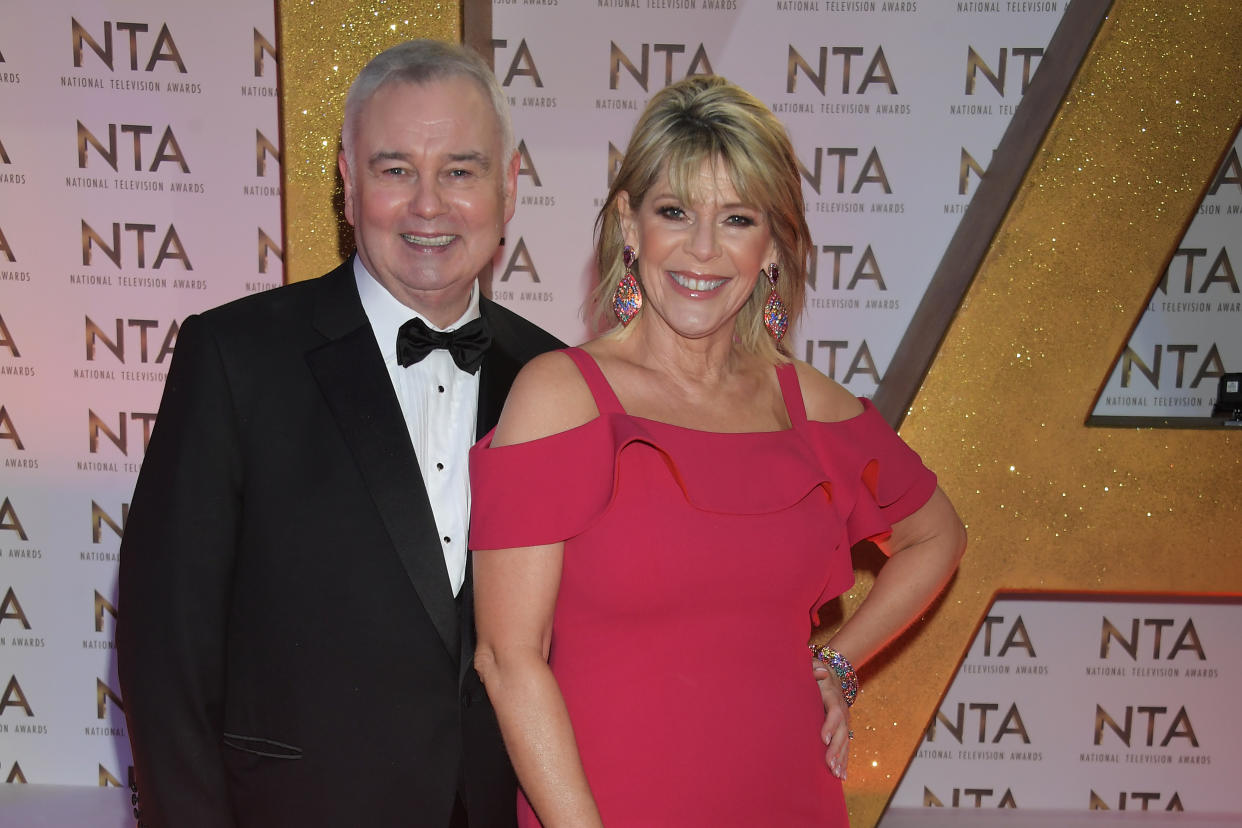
column 627, row 299
column 775, row 314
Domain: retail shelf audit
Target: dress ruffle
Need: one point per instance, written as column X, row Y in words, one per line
column 895, row 481
column 554, row 488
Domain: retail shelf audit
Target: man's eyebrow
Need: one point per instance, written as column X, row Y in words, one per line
column 388, row 155
column 471, row 156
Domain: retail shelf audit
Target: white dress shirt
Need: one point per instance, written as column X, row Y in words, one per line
column 440, row 403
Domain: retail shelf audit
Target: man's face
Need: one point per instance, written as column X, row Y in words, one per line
column 427, row 191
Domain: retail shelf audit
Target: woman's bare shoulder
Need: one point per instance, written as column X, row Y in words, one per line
column 826, row 400
column 548, row 396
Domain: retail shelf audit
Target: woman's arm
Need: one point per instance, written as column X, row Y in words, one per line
column 515, row 594
column 923, row 552
column 515, row 598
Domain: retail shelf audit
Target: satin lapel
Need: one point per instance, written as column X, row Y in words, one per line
column 500, row 366
column 351, row 375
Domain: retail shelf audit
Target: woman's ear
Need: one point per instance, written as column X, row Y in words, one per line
column 625, row 215
column 774, row 253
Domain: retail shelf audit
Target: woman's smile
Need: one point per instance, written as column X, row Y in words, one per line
column 695, row 284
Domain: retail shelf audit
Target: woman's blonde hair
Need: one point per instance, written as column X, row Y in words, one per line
column 706, row 119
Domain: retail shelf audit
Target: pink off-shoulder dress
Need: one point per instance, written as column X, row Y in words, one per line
column 694, row 563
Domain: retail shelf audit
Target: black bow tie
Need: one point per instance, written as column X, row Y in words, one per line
column 466, row 345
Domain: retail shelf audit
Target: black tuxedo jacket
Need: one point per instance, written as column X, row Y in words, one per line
column 290, row 650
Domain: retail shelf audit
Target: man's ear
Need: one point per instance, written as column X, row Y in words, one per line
column 342, row 164
column 511, row 174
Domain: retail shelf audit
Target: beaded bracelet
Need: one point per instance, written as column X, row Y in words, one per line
column 840, row 665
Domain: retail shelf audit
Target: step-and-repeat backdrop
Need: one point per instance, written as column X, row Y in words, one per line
column 1191, row 331
column 1089, row 704
column 140, row 182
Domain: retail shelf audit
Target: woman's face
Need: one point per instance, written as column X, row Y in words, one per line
column 698, row 261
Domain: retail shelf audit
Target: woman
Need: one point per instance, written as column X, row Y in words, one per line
column 680, row 493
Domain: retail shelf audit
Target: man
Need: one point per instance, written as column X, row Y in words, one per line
column 295, row 632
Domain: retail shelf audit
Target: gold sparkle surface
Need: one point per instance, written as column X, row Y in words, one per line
column 1049, row 503
column 323, row 46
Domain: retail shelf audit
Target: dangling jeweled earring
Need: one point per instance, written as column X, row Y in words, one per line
column 627, row 299
column 775, row 314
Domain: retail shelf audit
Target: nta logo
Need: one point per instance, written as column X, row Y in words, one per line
column 1187, row 639
column 267, row 246
column 520, row 262
column 14, row 697
column 861, row 362
column 119, row 438
column 996, row 78
column 522, row 64
column 170, row 246
column 102, row 694
column 11, row 610
column 866, row 270
column 846, row 170
column 699, row 63
column 116, row 343
column 8, row 429
column 1137, row 801
column 263, row 147
column 876, row 73
column 98, row 518
column 168, row 150
column 970, row 798
column 262, row 46
column 1179, row 726
column 1010, row 725
column 1017, row 636
column 163, row 49
column 108, row 780
column 10, row 522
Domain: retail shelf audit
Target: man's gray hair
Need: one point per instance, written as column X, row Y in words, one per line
column 422, row 61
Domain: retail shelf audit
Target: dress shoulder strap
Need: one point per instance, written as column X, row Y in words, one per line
column 791, row 391
column 605, row 398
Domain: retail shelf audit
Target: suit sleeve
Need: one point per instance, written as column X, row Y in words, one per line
column 175, row 571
